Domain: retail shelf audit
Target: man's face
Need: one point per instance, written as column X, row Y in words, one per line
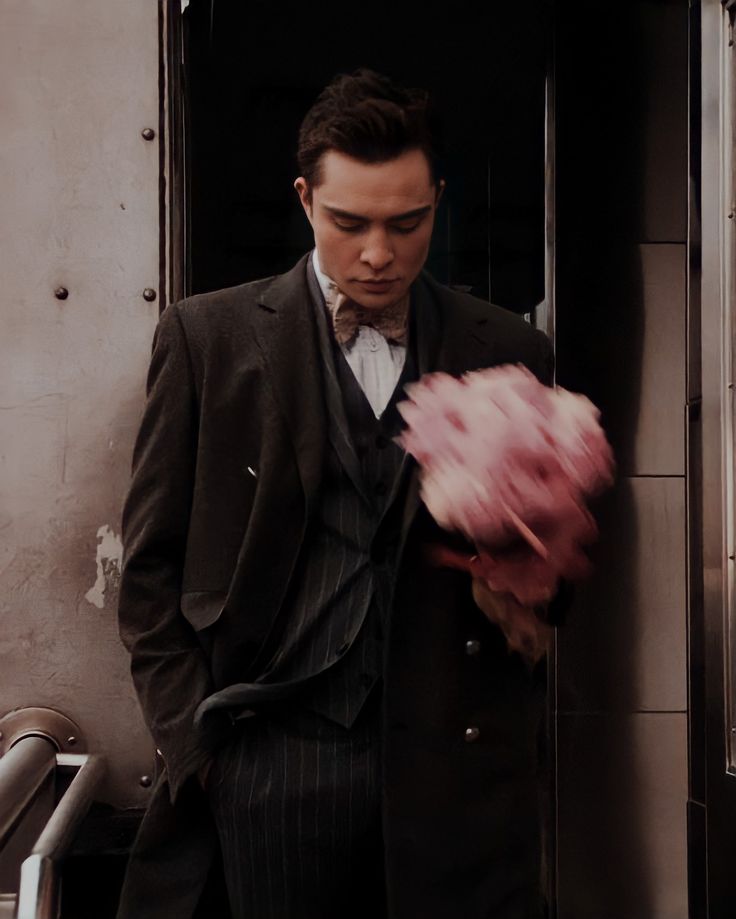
column 372, row 223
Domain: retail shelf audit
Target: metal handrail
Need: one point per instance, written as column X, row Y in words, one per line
column 23, row 770
column 39, row 891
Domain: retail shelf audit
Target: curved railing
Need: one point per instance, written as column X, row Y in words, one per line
column 29, row 761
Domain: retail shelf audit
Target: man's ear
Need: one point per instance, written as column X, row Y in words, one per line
column 305, row 196
column 438, row 193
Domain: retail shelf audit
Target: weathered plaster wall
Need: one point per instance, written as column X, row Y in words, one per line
column 79, row 192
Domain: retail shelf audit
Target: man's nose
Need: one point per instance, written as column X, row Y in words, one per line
column 377, row 252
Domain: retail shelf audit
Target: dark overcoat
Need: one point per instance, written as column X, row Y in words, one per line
column 226, row 471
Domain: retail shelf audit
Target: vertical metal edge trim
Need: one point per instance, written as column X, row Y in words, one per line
column 163, row 258
column 727, row 419
column 693, row 439
column 543, row 314
column 548, row 319
column 696, row 694
column 548, row 325
column 697, row 864
column 720, row 778
column 172, row 235
column 713, row 530
column 183, row 153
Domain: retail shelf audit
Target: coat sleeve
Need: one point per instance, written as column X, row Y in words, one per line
column 169, row 669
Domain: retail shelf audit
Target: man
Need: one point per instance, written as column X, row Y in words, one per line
column 333, row 710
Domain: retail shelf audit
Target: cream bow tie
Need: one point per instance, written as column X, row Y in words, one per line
column 347, row 315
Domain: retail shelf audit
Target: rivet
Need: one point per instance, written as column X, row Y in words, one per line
column 146, row 781
column 61, row 293
column 149, row 294
column 472, row 647
column 71, row 740
column 148, row 133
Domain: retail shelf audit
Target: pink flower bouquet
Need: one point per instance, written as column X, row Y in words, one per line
column 509, row 463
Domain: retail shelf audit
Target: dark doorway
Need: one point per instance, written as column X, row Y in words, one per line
column 252, row 70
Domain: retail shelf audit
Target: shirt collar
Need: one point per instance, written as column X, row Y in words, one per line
column 326, row 284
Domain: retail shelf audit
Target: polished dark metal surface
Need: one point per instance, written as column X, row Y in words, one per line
column 39, row 891
column 23, row 770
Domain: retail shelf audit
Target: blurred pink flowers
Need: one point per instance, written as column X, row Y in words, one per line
column 509, row 463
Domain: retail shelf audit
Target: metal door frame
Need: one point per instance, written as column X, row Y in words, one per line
column 712, row 816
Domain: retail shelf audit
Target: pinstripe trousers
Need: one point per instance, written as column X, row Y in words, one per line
column 296, row 800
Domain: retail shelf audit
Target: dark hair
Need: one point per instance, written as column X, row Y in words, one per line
column 368, row 117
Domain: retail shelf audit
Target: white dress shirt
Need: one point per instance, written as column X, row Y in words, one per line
column 375, row 362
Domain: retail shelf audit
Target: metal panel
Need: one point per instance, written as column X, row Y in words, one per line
column 663, row 29
column 624, row 645
column 622, row 817
column 621, row 338
column 623, row 97
column 648, row 426
column 79, row 186
column 656, row 441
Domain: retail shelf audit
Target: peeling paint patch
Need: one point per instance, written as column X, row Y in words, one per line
column 109, row 561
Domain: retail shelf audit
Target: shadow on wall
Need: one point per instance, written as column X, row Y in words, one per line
column 602, row 870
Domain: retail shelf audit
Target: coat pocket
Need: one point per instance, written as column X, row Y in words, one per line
column 202, row 608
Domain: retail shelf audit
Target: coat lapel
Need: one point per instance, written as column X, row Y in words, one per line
column 287, row 337
column 450, row 339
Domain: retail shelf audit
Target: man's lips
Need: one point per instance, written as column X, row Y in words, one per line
column 378, row 285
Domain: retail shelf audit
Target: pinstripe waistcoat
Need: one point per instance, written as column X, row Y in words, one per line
column 333, row 622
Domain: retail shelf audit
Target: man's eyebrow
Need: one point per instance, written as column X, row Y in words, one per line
column 407, row 215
